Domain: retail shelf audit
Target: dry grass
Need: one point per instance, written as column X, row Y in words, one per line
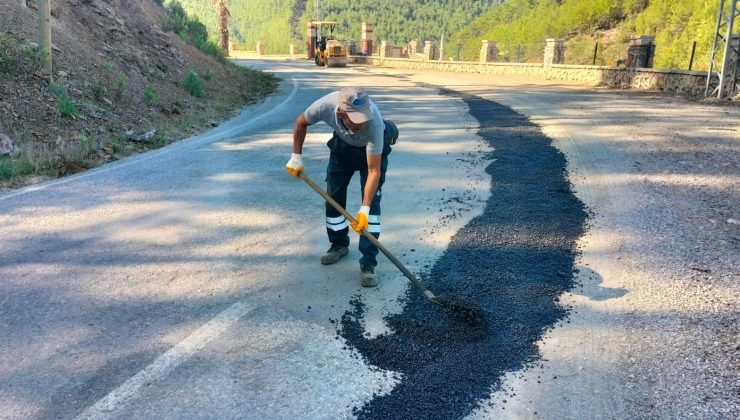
column 18, row 57
column 61, row 158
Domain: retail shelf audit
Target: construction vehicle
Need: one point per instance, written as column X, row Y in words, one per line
column 329, row 51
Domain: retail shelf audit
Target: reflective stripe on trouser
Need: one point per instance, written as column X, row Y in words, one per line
column 336, row 223
column 344, row 161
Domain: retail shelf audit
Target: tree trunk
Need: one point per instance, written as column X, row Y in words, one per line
column 223, row 25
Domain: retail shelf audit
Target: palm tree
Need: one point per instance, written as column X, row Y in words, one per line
column 223, row 23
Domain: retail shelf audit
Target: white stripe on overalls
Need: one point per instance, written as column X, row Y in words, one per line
column 336, row 223
column 373, row 223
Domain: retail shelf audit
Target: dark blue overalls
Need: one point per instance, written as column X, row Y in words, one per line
column 344, row 161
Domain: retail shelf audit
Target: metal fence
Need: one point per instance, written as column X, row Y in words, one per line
column 692, row 56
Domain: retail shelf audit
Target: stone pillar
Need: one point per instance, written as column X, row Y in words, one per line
column 366, row 44
column 488, row 51
column 311, row 42
column 554, row 51
column 430, row 51
column 641, row 51
column 293, row 50
column 414, row 48
column 260, row 48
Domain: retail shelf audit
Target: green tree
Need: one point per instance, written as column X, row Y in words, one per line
column 523, row 25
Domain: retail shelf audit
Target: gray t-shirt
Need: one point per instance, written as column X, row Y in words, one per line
column 325, row 109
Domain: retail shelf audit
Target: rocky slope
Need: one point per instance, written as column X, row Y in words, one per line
column 121, row 85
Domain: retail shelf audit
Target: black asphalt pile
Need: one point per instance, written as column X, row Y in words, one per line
column 513, row 262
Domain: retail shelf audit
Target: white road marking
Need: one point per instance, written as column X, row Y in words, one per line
column 194, row 343
column 167, row 362
column 157, row 153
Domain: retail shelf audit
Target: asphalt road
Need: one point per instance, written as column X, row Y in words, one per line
column 185, row 282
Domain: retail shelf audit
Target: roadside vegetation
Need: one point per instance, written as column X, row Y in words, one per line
column 250, row 21
column 521, row 26
column 191, row 30
column 139, row 90
column 18, row 57
column 518, row 26
column 278, row 23
column 21, row 61
column 400, row 21
column 192, row 84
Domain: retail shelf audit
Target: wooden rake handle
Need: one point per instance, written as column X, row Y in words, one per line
column 419, row 285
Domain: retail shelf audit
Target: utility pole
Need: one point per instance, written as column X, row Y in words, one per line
column 725, row 53
column 44, row 17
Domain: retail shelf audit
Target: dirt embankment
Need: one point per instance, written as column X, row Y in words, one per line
column 117, row 76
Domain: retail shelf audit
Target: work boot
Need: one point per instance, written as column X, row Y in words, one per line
column 334, row 254
column 367, row 276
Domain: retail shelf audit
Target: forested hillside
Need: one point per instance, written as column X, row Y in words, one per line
column 520, row 27
column 251, row 21
column 397, row 21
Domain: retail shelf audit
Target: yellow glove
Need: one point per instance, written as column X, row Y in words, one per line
column 361, row 219
column 295, row 164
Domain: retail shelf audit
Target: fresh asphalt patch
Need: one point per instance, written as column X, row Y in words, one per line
column 513, row 262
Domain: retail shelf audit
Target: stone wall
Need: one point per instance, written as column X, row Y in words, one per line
column 690, row 83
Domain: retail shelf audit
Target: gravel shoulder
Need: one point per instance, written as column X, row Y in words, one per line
column 654, row 328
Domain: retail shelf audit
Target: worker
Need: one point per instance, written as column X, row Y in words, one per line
column 361, row 143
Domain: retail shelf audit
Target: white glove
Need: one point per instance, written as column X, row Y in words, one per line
column 295, row 164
